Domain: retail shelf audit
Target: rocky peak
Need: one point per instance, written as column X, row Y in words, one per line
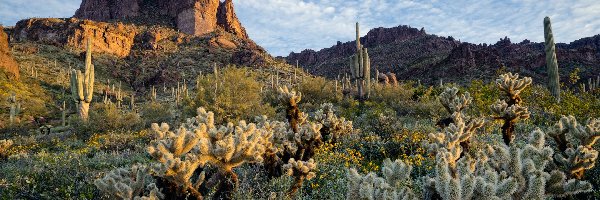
column 194, row 17
column 7, row 62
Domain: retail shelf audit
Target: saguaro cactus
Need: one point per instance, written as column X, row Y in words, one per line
column 82, row 85
column 15, row 107
column 361, row 70
column 551, row 61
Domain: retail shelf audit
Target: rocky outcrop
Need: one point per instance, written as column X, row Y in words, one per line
column 109, row 38
column 229, row 21
column 194, row 17
column 7, row 62
column 104, row 10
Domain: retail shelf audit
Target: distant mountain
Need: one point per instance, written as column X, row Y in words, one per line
column 413, row 54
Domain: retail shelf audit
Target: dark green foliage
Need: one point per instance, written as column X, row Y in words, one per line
column 237, row 96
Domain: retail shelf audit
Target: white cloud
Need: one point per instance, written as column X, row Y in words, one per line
column 282, row 26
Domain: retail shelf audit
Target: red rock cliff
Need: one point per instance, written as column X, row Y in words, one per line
column 115, row 39
column 194, row 17
column 7, row 62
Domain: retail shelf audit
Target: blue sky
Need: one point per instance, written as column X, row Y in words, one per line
column 282, row 26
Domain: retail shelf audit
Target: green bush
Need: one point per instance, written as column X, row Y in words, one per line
column 237, row 96
column 104, row 118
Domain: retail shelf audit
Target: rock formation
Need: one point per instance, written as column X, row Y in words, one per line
column 194, row 17
column 115, row 39
column 7, row 62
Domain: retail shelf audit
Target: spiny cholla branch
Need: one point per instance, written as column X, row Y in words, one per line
column 124, row 183
column 301, row 170
column 454, row 102
column 575, row 143
column 334, row 127
column 453, row 136
column 395, row 184
column 510, row 111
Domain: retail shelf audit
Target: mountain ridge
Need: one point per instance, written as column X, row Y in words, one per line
column 414, row 54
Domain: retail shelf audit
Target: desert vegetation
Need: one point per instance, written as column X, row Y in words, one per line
column 276, row 132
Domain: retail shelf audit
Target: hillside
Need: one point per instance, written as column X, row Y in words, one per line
column 412, row 53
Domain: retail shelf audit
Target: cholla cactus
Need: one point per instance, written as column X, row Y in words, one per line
column 4, row 145
column 528, row 167
column 291, row 99
column 395, row 185
column 199, row 141
column 453, row 103
column 454, row 138
column 130, row 184
column 301, row 170
column 575, row 143
column 82, row 85
column 510, row 111
column 502, row 172
column 512, row 86
column 334, row 127
column 510, row 115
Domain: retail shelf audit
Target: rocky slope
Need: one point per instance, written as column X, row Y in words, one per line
column 7, row 62
column 194, row 17
column 413, row 54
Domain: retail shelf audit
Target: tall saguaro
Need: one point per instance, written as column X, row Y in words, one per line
column 361, row 70
column 82, row 85
column 551, row 60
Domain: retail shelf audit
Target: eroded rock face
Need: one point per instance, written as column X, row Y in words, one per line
column 7, row 62
column 229, row 21
column 194, row 17
column 116, row 39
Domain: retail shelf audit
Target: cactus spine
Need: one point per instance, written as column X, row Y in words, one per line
column 551, row 61
column 82, row 85
column 361, row 71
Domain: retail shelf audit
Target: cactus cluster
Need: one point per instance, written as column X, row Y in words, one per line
column 82, row 85
column 199, row 142
column 575, row 144
column 130, row 184
column 395, row 184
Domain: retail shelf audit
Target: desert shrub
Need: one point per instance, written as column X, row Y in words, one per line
column 106, row 117
column 317, row 90
column 237, row 96
column 58, row 175
column 153, row 112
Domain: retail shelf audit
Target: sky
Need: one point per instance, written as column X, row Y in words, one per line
column 283, row 26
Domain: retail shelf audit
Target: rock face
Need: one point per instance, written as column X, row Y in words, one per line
column 413, row 54
column 7, row 62
column 116, row 39
column 194, row 17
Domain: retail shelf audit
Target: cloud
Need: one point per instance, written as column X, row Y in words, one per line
column 12, row 11
column 282, row 26
column 294, row 25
